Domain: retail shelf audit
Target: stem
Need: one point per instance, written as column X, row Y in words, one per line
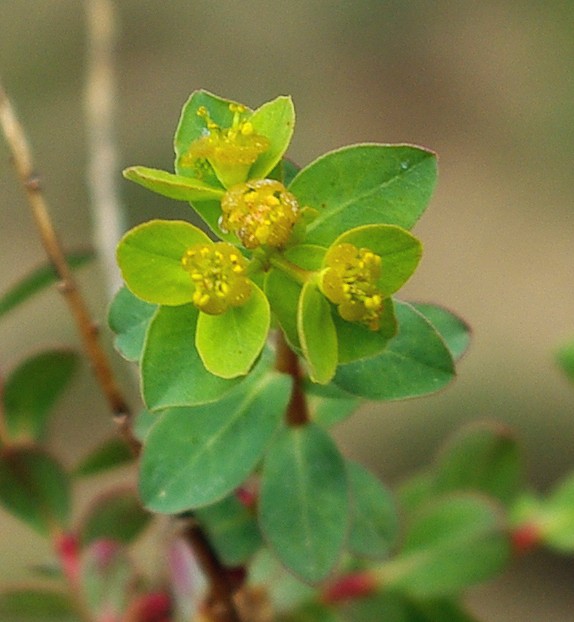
column 22, row 159
column 287, row 362
column 293, row 271
column 4, row 438
column 220, row 599
column 100, row 97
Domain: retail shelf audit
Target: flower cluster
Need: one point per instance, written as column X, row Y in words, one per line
column 218, row 274
column 350, row 281
column 260, row 213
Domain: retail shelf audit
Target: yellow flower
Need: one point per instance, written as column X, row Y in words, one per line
column 217, row 272
column 350, row 281
column 230, row 151
column 260, row 213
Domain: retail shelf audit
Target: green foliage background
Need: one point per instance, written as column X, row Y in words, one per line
column 487, row 85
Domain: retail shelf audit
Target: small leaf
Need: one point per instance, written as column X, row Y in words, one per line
column 172, row 371
column 364, row 185
column 453, row 543
column 32, row 389
column 328, row 404
column 178, row 187
column 317, row 333
column 182, row 466
column 35, row 488
column 37, row 280
column 231, row 529
column 115, row 452
column 454, row 331
column 117, row 515
column 415, row 362
column 283, row 294
column 275, row 120
column 304, row 505
column 149, row 257
column 400, row 252
column 36, row 605
column 129, row 318
column 230, row 343
column 374, row 521
column 484, row 458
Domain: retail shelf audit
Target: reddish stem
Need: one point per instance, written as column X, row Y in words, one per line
column 287, row 362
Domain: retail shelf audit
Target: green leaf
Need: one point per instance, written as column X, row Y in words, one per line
column 484, row 457
column 312, row 612
column 36, row 605
column 37, row 280
column 32, row 390
column 317, row 333
column 304, row 505
column 451, row 544
column 35, row 488
column 129, row 318
column 178, row 187
column 115, row 452
column 116, row 515
column 230, row 343
column 182, row 464
column 328, row 404
column 415, row 491
column 275, row 120
column 283, row 294
column 415, row 362
column 356, row 341
column 565, row 358
column 555, row 521
column 400, row 252
column 172, row 371
column 363, row 185
column 374, row 521
column 149, row 257
column 232, row 530
column 455, row 331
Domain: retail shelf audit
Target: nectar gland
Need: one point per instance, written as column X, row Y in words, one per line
column 217, row 271
column 350, row 281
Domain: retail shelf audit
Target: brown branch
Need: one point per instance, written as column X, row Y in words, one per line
column 287, row 362
column 221, row 607
column 22, row 159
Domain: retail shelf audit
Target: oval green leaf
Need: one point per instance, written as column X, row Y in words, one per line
column 374, row 520
column 172, row 371
column 182, row 466
column 110, row 455
column 129, row 318
column 304, row 504
column 35, row 488
column 454, row 330
column 363, row 185
column 230, row 343
column 453, row 543
column 149, row 257
column 317, row 333
column 32, row 389
column 415, row 362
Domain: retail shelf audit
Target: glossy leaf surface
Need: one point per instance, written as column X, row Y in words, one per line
column 304, row 506
column 181, row 464
column 363, row 185
column 415, row 362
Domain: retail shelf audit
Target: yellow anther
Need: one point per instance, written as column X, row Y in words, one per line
column 217, row 273
column 351, row 282
column 261, row 213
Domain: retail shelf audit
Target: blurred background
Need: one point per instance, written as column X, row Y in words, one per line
column 488, row 85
